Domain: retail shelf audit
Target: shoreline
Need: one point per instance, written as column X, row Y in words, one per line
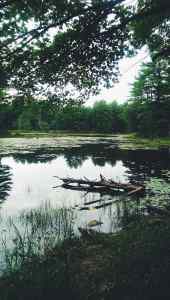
column 124, row 141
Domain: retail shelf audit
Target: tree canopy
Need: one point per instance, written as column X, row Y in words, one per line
column 149, row 108
column 58, row 45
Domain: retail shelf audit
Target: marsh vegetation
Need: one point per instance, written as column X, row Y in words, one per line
column 83, row 244
column 42, row 249
column 124, row 265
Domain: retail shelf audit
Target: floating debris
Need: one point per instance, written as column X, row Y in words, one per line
column 107, row 185
column 94, row 223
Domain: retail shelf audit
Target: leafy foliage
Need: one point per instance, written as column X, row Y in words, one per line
column 70, row 42
column 54, row 46
column 150, row 107
column 154, row 30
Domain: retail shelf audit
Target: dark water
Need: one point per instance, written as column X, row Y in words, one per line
column 27, row 179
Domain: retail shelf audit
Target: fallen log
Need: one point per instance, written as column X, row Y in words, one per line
column 102, row 205
column 93, row 202
column 93, row 183
column 84, row 208
column 97, row 189
column 138, row 189
column 105, row 185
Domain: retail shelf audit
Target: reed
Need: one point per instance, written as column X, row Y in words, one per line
column 34, row 233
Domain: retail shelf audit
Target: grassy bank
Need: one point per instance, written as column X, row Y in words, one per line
column 132, row 264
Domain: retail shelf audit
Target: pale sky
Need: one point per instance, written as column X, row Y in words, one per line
column 129, row 69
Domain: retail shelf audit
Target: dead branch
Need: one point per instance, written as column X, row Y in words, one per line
column 104, row 185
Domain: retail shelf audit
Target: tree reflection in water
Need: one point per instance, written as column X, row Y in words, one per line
column 5, row 182
column 139, row 165
column 114, row 211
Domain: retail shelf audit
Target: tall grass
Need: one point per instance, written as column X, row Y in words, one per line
column 34, row 233
column 46, row 263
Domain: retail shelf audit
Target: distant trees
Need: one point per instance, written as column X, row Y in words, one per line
column 146, row 113
column 5, row 112
column 149, row 109
column 5, row 117
column 107, row 117
column 28, row 114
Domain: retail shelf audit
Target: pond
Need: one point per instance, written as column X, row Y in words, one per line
column 28, row 168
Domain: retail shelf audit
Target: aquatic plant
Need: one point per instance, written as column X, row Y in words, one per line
column 158, row 186
column 33, row 233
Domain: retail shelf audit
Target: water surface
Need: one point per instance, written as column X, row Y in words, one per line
column 28, row 168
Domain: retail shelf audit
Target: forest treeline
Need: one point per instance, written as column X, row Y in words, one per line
column 28, row 114
column 147, row 112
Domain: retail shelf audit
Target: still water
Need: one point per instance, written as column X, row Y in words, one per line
column 28, row 168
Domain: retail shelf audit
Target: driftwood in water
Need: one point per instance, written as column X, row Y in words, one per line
column 94, row 201
column 97, row 206
column 104, row 204
column 135, row 191
column 104, row 190
column 102, row 185
column 86, row 188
